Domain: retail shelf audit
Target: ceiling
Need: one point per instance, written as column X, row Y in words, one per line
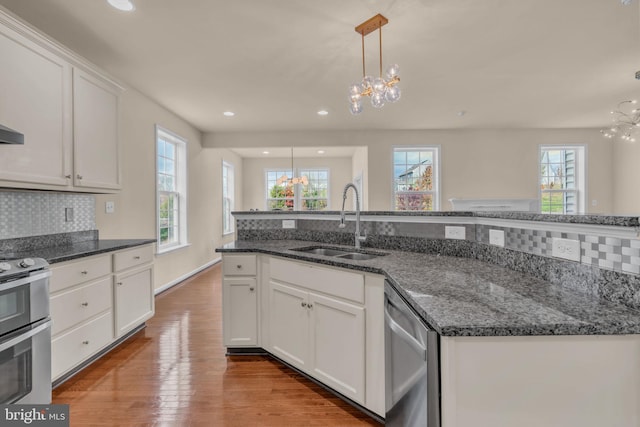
column 299, row 152
column 275, row 63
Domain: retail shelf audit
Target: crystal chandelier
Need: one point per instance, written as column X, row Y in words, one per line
column 286, row 181
column 626, row 120
column 379, row 89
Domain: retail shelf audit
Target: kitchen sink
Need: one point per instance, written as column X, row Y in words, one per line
column 340, row 253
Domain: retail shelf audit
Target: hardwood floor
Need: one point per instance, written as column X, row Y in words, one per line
column 175, row 373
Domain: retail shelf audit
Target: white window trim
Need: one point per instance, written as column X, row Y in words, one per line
column 436, row 148
column 230, row 168
column 581, row 173
column 182, row 178
column 297, row 198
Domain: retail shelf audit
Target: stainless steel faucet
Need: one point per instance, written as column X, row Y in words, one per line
column 359, row 238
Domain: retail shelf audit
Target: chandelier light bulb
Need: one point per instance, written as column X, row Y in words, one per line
column 356, row 107
column 377, row 100
column 392, row 94
column 379, row 85
column 393, row 70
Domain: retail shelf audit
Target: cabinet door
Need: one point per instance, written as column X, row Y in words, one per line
column 95, row 126
column 133, row 299
column 289, row 324
column 239, row 312
column 337, row 345
column 35, row 100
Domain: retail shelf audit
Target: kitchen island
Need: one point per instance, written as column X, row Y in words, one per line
column 515, row 349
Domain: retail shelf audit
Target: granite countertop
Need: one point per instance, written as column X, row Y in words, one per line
column 71, row 251
column 609, row 220
column 467, row 297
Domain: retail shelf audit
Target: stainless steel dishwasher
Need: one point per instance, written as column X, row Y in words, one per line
column 411, row 366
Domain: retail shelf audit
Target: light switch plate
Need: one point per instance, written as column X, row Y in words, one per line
column 68, row 214
column 566, row 249
column 496, row 237
column 109, row 207
column 288, row 223
column 454, row 232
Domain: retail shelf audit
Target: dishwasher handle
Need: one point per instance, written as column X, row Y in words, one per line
column 404, row 335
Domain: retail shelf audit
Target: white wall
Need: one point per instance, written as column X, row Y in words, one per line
column 360, row 166
column 135, row 212
column 254, row 188
column 475, row 163
column 626, row 194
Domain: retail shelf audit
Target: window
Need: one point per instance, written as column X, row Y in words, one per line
column 415, row 179
column 311, row 197
column 562, row 179
column 228, row 191
column 171, row 189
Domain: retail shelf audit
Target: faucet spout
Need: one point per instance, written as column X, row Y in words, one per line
column 358, row 237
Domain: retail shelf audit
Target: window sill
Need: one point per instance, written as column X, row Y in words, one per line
column 172, row 248
column 228, row 233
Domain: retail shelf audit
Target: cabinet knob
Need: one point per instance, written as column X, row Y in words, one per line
column 310, row 305
column 304, row 304
column 136, row 257
column 251, row 288
column 239, row 266
column 68, row 176
column 79, row 176
column 84, row 272
column 85, row 304
column 119, row 283
column 85, row 342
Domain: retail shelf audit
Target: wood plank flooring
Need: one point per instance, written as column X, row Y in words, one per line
column 175, row 373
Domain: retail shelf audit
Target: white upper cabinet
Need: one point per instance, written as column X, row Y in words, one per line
column 35, row 88
column 95, row 132
column 67, row 111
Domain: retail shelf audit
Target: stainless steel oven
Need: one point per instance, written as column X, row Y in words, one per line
column 25, row 332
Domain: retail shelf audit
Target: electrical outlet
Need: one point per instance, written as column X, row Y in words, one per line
column 288, row 223
column 496, row 237
column 68, row 214
column 109, row 207
column 452, row 232
column 566, row 249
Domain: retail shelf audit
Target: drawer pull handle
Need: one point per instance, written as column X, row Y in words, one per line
column 79, row 176
column 85, row 304
column 84, row 272
column 239, row 266
column 304, row 304
column 68, row 176
column 119, row 283
column 136, row 257
column 85, row 342
column 310, row 306
column 251, row 288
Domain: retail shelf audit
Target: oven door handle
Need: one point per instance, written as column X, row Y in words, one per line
column 25, row 280
column 17, row 340
column 405, row 336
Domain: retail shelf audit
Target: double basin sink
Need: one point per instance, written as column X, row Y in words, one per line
column 340, row 253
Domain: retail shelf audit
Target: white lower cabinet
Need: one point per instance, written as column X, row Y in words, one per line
column 94, row 301
column 240, row 311
column 289, row 325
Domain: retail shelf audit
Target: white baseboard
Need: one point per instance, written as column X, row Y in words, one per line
column 186, row 276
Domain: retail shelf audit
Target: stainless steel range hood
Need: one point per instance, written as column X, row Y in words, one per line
column 10, row 136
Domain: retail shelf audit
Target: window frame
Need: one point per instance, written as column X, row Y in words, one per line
column 297, row 194
column 580, row 176
column 180, row 193
column 437, row 159
column 228, row 225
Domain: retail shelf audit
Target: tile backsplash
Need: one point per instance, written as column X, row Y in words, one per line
column 25, row 213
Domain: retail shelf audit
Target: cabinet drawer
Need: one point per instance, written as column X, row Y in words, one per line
column 73, row 273
column 340, row 283
column 239, row 265
column 132, row 257
column 79, row 304
column 73, row 347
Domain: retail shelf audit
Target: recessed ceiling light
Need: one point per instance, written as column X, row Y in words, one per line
column 320, row 151
column 125, row 5
column 323, row 112
column 265, row 152
column 461, row 113
column 229, row 113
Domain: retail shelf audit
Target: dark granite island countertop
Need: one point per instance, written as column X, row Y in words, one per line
column 467, row 297
column 75, row 250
